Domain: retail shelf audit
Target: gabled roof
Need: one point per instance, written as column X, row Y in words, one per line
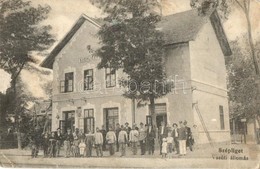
column 185, row 26
column 177, row 28
column 48, row 62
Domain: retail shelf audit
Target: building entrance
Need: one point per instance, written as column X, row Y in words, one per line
column 111, row 117
column 160, row 118
column 68, row 122
column 161, row 113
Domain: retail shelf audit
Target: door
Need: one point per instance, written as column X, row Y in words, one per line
column 89, row 120
column 69, row 122
column 161, row 113
column 160, row 118
column 89, row 124
column 111, row 117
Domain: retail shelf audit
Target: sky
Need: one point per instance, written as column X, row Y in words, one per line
column 64, row 14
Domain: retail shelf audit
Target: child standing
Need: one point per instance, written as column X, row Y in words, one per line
column 82, row 147
column 169, row 140
column 164, row 147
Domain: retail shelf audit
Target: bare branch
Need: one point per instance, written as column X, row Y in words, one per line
column 241, row 6
column 248, row 6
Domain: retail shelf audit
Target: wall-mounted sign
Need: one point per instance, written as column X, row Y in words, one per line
column 84, row 60
column 243, row 120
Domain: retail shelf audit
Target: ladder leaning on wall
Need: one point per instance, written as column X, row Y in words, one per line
column 195, row 105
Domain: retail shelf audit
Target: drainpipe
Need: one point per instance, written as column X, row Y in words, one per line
column 133, row 111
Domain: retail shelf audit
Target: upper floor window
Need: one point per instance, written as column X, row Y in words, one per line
column 110, row 77
column 88, row 79
column 67, row 84
column 222, row 120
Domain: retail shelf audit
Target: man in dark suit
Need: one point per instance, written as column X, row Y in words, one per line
column 175, row 136
column 150, row 138
column 189, row 141
column 182, row 137
column 162, row 133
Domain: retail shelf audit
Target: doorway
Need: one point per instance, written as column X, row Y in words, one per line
column 68, row 122
column 160, row 118
column 161, row 113
column 111, row 117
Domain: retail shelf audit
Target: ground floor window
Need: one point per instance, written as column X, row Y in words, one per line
column 111, row 117
column 222, row 120
column 69, row 121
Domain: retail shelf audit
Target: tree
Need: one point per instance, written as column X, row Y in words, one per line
column 241, row 81
column 130, row 42
column 21, row 34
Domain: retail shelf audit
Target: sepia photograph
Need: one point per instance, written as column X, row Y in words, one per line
column 130, row 84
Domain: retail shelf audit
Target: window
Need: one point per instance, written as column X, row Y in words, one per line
column 110, row 77
column 88, row 79
column 89, row 121
column 67, row 84
column 222, row 121
column 62, row 86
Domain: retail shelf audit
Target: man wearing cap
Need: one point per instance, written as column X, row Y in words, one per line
column 133, row 138
column 142, row 138
column 162, row 133
column 111, row 140
column 68, row 139
column 150, row 138
column 175, row 135
column 122, row 140
column 59, row 142
column 189, row 142
column 182, row 138
column 118, row 129
column 128, row 129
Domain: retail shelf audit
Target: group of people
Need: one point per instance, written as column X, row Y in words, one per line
column 80, row 144
column 175, row 139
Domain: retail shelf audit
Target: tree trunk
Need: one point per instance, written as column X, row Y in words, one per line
column 253, row 53
column 152, row 107
column 17, row 120
column 251, row 43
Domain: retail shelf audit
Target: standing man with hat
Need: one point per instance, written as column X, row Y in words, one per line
column 142, row 138
column 162, row 133
column 182, row 138
column 150, row 138
column 128, row 129
column 133, row 138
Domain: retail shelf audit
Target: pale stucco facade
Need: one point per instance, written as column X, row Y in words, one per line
column 196, row 66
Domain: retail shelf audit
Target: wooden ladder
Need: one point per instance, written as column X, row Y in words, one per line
column 203, row 123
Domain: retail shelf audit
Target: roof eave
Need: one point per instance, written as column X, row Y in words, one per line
column 220, row 33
